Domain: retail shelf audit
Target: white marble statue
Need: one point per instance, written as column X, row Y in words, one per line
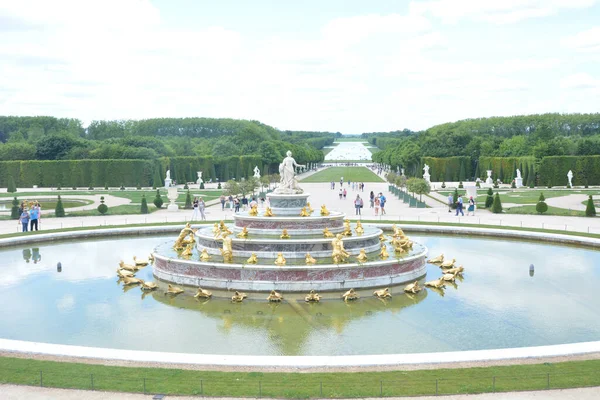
column 518, row 173
column 401, row 171
column 489, row 179
column 426, row 170
column 168, row 174
column 570, row 177
column 199, row 181
column 256, row 172
column 287, row 170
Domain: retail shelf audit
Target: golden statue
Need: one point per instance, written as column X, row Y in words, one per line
column 401, row 244
column 186, row 236
column 448, row 263
column 204, row 256
column 203, row 294
column 122, row 273
column 308, row 259
column 362, row 257
column 359, row 228
column 339, row 254
column 253, row 211
column 347, row 228
column 438, row 283
column 327, row 233
column 188, row 250
column 227, row 250
column 274, row 296
column 436, row 260
column 350, row 295
column 130, row 280
column 280, row 259
column 174, row 290
column 455, row 271
column 413, row 288
column 304, row 212
column 382, row 238
column 148, row 286
column 309, row 208
column 238, row 297
column 382, row 293
column 312, row 297
column 253, row 259
column 216, row 229
column 383, row 254
column 268, row 212
column 324, row 211
column 243, row 234
column 222, row 226
column 398, row 232
column 284, row 234
column 449, row 277
column 128, row 267
column 142, row 261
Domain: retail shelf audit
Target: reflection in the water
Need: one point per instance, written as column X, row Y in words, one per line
column 492, row 304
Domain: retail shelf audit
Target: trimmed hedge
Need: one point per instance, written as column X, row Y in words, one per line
column 449, row 169
column 505, row 168
column 586, row 170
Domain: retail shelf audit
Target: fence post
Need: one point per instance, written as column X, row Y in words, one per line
column 494, row 384
column 41, row 379
column 92, row 380
column 144, row 385
column 321, row 391
column 259, row 389
column 201, row 387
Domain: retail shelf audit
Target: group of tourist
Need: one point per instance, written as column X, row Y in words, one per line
column 459, row 205
column 235, row 203
column 199, row 207
column 352, row 185
column 29, row 217
column 377, row 202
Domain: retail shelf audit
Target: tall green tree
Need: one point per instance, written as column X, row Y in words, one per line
column 497, row 206
column 144, row 206
column 14, row 211
column 59, row 210
column 590, row 209
column 11, row 187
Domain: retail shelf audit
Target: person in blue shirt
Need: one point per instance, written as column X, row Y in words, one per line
column 459, row 206
column 24, row 219
column 34, row 214
column 382, row 201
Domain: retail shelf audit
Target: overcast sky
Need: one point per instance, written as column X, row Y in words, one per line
column 335, row 65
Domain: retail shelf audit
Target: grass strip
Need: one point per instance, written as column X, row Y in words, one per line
column 174, row 381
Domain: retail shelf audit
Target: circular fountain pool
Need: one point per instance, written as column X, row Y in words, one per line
column 498, row 304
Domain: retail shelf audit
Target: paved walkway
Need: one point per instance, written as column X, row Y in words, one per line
column 14, row 392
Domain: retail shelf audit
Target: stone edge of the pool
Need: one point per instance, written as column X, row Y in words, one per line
column 82, row 352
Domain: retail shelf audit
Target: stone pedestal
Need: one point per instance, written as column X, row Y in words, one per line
column 427, row 177
column 287, row 204
column 489, row 179
column 172, row 196
column 168, row 183
column 519, row 182
column 471, row 190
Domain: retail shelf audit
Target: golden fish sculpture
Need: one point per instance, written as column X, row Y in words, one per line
column 324, row 211
column 308, row 259
column 280, row 260
column 253, row 259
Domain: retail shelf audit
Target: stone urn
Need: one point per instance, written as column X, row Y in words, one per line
column 172, row 196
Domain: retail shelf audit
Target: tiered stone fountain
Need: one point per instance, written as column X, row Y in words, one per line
column 306, row 236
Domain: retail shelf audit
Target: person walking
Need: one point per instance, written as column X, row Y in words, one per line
column 471, row 208
column 201, row 208
column 236, row 203
column 459, row 206
column 196, row 212
column 358, row 204
column 24, row 219
column 377, row 203
column 345, row 193
column 341, row 193
column 371, row 199
column 244, row 203
column 34, row 214
column 382, row 201
column 450, row 202
column 231, row 202
column 222, row 198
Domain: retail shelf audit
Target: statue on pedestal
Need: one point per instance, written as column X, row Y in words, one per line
column 287, row 171
column 256, row 172
column 199, row 181
column 570, row 177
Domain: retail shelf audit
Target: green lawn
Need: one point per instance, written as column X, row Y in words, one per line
column 351, row 139
column 353, row 174
column 523, row 196
column 299, row 385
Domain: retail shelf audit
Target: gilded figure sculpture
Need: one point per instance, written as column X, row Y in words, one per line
column 268, row 212
column 227, row 250
column 203, row 294
column 238, row 297
column 274, row 296
column 174, row 290
column 243, row 234
column 339, row 254
column 436, row 260
column 350, row 295
column 398, row 232
column 362, row 257
column 253, row 211
column 280, row 260
column 304, row 212
column 147, row 286
column 309, row 208
column 189, row 248
column 347, row 228
column 359, row 228
column 308, row 259
column 448, row 263
column 382, row 238
column 327, row 233
column 324, row 211
column 204, row 256
column 186, row 236
column 312, row 297
column 215, row 230
column 253, row 259
column 383, row 254
column 382, row 293
column 413, row 288
column 284, row 234
column 438, row 283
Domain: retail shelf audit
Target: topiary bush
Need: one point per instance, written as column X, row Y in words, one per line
column 59, row 211
column 11, row 187
column 219, row 185
column 477, row 184
column 106, row 186
column 188, row 201
column 513, row 185
column 454, row 199
column 460, row 185
column 202, row 185
column 541, row 207
column 497, row 206
column 186, row 187
column 489, row 200
column 122, row 187
column 14, row 211
column 138, row 186
column 590, row 209
column 102, row 208
column 158, row 201
column 542, row 198
column 144, row 207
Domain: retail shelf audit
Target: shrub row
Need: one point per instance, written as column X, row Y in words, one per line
column 553, row 170
column 449, row 169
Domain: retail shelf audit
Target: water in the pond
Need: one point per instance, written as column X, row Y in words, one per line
column 497, row 304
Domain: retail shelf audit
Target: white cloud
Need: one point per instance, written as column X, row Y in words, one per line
column 580, row 81
column 586, row 41
column 500, row 12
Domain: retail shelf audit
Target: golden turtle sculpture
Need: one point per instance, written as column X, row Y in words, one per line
column 456, row 271
column 438, row 283
column 128, row 267
column 130, row 280
column 147, row 286
column 413, row 288
column 448, row 263
column 142, row 261
column 174, row 290
column 350, row 295
column 203, row 294
column 274, row 296
column 382, row 293
column 122, row 273
column 280, row 260
column 436, row 260
column 253, row 259
column 449, row 277
column 312, row 297
column 238, row 297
